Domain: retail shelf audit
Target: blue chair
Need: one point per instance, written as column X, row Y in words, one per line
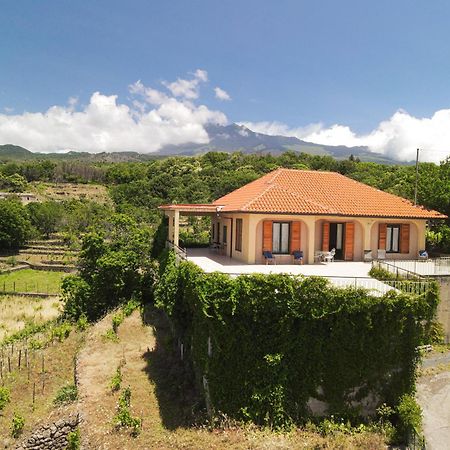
column 269, row 258
column 298, row 256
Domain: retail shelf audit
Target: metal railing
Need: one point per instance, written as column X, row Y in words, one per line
column 180, row 252
column 416, row 268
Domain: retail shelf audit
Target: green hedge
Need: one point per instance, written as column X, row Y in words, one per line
column 278, row 340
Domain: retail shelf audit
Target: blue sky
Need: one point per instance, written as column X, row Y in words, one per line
column 296, row 63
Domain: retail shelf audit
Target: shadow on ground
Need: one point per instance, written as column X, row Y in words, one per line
column 180, row 405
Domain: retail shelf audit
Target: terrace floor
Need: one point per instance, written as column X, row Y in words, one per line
column 340, row 273
column 210, row 261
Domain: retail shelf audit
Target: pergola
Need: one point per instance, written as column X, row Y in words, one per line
column 173, row 212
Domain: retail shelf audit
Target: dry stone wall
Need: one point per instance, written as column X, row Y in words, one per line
column 52, row 436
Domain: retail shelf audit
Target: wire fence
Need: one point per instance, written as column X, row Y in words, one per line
column 7, row 287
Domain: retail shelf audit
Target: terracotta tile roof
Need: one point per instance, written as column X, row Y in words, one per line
column 314, row 192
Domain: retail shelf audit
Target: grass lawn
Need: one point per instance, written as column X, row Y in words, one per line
column 30, row 280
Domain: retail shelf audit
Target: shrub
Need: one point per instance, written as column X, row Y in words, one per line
column 116, row 380
column 67, row 394
column 117, row 319
column 409, row 414
column 111, row 336
column 5, row 397
column 124, row 419
column 11, row 261
column 82, row 323
column 17, row 424
column 61, row 332
column 129, row 307
column 73, row 440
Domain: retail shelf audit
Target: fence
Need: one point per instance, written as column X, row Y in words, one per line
column 180, row 253
column 377, row 287
column 17, row 287
column 414, row 268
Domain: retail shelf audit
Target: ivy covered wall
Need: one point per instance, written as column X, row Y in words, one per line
column 267, row 344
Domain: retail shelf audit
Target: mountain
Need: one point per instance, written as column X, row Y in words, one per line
column 226, row 138
column 236, row 137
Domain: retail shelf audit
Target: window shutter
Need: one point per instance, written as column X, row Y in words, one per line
column 267, row 236
column 382, row 231
column 326, row 236
column 404, row 238
column 348, row 241
column 295, row 236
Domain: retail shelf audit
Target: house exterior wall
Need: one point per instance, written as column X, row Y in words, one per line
column 365, row 236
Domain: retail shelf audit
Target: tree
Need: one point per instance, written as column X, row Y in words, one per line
column 115, row 266
column 15, row 225
column 45, row 216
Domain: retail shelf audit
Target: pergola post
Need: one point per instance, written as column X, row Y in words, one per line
column 176, row 228
column 170, row 231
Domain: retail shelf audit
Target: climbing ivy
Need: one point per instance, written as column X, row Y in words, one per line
column 269, row 343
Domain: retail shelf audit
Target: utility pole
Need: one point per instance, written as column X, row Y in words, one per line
column 417, row 177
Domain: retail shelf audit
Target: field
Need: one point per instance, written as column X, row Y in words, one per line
column 69, row 191
column 17, row 311
column 28, row 280
column 58, row 372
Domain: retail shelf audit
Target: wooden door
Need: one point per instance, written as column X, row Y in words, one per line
column 349, row 241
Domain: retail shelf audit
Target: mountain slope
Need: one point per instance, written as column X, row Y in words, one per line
column 239, row 138
column 227, row 138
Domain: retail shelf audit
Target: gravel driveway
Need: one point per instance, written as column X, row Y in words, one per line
column 433, row 395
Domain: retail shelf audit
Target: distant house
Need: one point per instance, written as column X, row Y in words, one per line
column 24, row 197
column 312, row 212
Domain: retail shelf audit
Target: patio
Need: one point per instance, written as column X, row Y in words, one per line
column 339, row 273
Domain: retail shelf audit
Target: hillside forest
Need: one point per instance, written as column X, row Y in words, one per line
column 136, row 189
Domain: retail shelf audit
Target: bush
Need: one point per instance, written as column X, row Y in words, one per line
column 73, row 440
column 117, row 320
column 11, row 261
column 17, row 424
column 82, row 323
column 124, row 419
column 129, row 307
column 410, row 416
column 5, row 397
column 67, row 394
column 116, row 380
column 61, row 332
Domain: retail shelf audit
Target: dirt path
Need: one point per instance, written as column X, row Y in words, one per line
column 97, row 364
column 433, row 394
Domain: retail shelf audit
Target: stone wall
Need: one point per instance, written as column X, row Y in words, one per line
column 52, row 436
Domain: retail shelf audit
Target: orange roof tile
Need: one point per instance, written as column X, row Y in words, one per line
column 314, row 192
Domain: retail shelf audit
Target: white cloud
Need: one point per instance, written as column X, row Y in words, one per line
column 221, row 94
column 154, row 120
column 397, row 137
column 188, row 89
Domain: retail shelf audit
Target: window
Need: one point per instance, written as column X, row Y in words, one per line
column 224, row 235
column 393, row 238
column 280, row 237
column 218, row 232
column 238, row 246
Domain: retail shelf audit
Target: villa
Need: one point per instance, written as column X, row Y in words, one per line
column 310, row 212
